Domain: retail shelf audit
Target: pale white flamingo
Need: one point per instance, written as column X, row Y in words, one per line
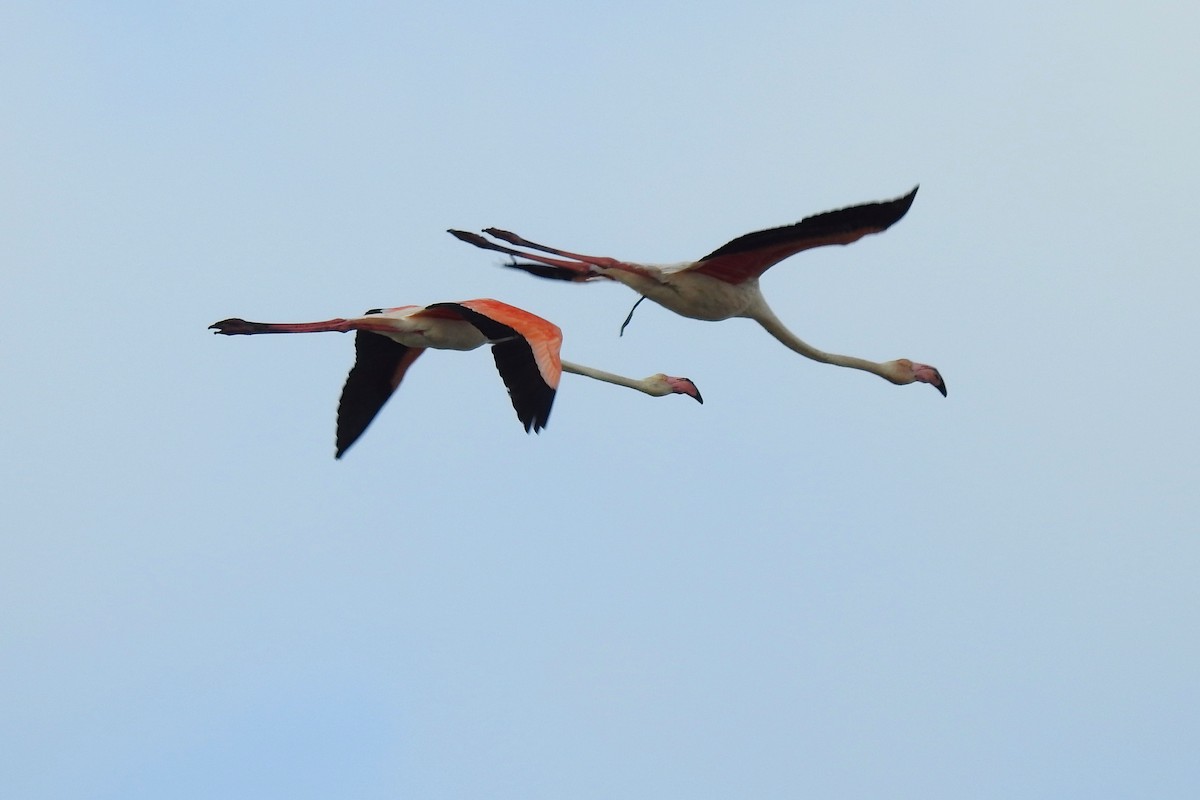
column 724, row 283
column 388, row 340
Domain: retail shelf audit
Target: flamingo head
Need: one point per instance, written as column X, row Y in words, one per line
column 661, row 385
column 902, row 371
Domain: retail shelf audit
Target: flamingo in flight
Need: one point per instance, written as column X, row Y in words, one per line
column 724, row 283
column 389, row 340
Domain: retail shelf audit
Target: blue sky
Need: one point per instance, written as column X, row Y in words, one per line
column 814, row 585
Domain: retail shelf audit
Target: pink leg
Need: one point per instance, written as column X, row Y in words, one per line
column 233, row 327
column 512, row 238
column 580, row 267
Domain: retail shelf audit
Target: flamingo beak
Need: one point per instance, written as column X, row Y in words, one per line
column 927, row 374
column 685, row 386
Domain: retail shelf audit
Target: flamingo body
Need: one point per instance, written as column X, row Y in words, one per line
column 725, row 283
column 389, row 340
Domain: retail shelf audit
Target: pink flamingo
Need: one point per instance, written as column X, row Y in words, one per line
column 388, row 340
column 724, row 283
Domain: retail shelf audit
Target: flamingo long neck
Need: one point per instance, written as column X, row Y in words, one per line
column 763, row 315
column 607, row 377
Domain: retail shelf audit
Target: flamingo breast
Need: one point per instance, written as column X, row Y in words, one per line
column 417, row 327
column 691, row 294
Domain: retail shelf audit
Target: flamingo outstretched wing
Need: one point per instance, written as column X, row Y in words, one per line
column 751, row 255
column 379, row 366
column 526, row 350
